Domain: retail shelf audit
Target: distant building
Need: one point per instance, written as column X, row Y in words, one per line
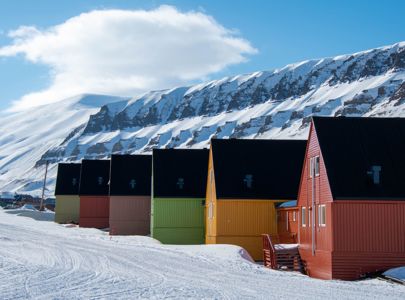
column 287, row 222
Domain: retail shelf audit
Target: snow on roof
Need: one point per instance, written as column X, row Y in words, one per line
column 396, row 273
column 291, row 203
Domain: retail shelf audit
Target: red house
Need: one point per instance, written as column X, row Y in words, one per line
column 93, row 192
column 352, row 197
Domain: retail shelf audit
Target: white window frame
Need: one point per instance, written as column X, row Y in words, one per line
column 314, row 163
column 210, row 210
column 303, row 216
column 322, row 212
column 317, row 165
column 311, row 167
column 309, row 216
column 294, row 218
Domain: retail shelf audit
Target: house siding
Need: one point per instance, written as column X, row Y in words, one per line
column 178, row 220
column 94, row 211
column 130, row 215
column 67, row 209
column 369, row 236
column 287, row 228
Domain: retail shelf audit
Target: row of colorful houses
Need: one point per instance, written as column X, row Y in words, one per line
column 121, row 194
column 340, row 195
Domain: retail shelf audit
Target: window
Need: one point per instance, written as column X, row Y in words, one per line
column 248, row 181
column 314, row 166
column 316, row 159
column 132, row 183
column 180, row 183
column 303, row 216
column 286, row 216
column 210, row 210
column 294, row 218
column 375, row 174
column 309, row 216
column 322, row 215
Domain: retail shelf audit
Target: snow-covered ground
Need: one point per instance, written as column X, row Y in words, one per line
column 43, row 260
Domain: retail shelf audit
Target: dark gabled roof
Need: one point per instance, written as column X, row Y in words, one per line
column 94, row 177
column 180, row 172
column 68, row 179
column 352, row 146
column 130, row 175
column 257, row 169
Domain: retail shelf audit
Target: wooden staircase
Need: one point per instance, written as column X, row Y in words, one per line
column 281, row 256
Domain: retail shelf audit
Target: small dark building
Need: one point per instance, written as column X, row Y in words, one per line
column 130, row 190
column 178, row 195
column 67, row 206
column 287, row 222
column 94, row 189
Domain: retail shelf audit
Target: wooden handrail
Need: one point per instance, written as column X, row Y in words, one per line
column 269, row 252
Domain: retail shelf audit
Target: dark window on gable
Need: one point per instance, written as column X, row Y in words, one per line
column 100, row 180
column 248, row 181
column 132, row 183
column 74, row 181
column 180, row 183
column 374, row 174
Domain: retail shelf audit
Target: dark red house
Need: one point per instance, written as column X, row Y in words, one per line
column 352, row 197
column 93, row 192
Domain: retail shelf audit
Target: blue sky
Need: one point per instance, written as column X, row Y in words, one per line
column 282, row 32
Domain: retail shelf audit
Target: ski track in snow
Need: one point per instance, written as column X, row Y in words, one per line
column 44, row 260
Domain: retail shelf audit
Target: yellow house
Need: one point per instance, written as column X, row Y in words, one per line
column 246, row 180
column 67, row 206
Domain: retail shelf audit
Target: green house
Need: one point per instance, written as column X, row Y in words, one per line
column 67, row 206
column 179, row 179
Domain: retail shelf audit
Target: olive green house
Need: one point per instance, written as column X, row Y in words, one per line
column 179, row 178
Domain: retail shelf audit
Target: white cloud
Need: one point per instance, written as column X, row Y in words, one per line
column 125, row 52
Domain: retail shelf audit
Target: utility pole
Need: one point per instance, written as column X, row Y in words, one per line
column 41, row 206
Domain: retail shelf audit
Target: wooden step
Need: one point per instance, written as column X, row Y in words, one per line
column 281, row 256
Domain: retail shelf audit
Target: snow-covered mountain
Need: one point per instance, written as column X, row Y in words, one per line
column 27, row 135
column 269, row 104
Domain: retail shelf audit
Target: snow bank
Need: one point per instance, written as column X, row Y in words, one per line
column 30, row 211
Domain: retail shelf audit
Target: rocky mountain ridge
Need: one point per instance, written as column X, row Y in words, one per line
column 268, row 104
